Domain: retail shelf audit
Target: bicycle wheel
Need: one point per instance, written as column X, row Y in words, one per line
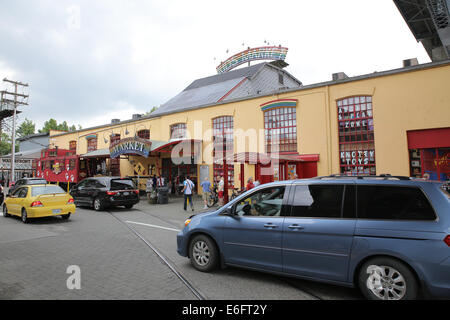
column 211, row 201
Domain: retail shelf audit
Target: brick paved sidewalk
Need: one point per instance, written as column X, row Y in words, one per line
column 114, row 263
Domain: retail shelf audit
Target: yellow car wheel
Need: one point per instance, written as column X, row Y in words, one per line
column 66, row 216
column 24, row 216
column 5, row 211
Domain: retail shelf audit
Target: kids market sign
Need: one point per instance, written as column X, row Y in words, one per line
column 138, row 146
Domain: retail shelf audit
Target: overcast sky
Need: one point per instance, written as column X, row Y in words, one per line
column 90, row 61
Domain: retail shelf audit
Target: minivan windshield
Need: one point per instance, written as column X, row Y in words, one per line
column 122, row 184
column 48, row 189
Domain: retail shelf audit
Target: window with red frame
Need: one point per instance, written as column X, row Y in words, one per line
column 356, row 136
column 144, row 134
column 91, row 144
column 280, row 130
column 114, row 138
column 178, row 131
column 72, row 145
column 223, row 144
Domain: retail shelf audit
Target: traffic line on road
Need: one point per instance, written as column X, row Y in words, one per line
column 153, row 226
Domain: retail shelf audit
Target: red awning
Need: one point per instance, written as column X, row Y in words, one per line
column 429, row 138
column 160, row 146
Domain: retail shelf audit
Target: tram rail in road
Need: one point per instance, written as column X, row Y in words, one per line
column 195, row 291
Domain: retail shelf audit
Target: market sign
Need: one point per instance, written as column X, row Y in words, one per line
column 253, row 54
column 130, row 146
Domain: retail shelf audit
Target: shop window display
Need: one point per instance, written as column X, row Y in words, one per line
column 223, row 143
column 356, row 136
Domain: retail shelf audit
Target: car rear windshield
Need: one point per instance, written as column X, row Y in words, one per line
column 42, row 181
column 122, row 184
column 48, row 189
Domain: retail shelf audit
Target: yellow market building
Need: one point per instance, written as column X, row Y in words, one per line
column 393, row 122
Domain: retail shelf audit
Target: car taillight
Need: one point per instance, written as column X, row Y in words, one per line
column 447, row 240
column 136, row 191
column 37, row 204
column 70, row 201
column 111, row 193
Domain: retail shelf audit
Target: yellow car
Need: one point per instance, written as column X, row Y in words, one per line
column 36, row 201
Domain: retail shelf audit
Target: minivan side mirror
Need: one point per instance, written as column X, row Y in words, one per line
column 228, row 211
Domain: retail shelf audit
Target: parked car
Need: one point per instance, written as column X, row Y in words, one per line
column 103, row 192
column 388, row 236
column 26, row 182
column 36, row 201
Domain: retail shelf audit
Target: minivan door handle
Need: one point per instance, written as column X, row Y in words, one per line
column 270, row 225
column 295, row 227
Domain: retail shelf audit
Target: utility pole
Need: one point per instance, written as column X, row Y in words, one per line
column 14, row 100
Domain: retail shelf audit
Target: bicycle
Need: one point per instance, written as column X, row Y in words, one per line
column 235, row 193
column 213, row 198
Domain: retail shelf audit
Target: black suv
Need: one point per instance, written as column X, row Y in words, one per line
column 103, row 192
column 25, row 182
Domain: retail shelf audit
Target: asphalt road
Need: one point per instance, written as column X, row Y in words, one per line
column 128, row 254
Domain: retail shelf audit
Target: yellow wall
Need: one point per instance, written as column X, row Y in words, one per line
column 403, row 101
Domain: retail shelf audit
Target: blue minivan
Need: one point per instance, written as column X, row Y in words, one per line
column 389, row 236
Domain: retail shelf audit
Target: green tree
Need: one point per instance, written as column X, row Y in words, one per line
column 52, row 124
column 26, row 128
column 5, row 144
column 152, row 110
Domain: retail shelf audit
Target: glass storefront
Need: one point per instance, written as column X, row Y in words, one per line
column 430, row 163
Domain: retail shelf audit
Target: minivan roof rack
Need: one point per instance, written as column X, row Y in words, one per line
column 384, row 176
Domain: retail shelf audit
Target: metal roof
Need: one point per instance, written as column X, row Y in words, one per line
column 217, row 88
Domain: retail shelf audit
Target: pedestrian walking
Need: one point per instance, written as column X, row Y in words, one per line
column 2, row 195
column 160, row 182
column 149, row 187
column 188, row 190
column 250, row 184
column 206, row 186
column 220, row 189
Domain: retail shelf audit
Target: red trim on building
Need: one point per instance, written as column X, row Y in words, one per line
column 278, row 100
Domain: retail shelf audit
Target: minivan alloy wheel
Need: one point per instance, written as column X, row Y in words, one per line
column 385, row 282
column 201, row 253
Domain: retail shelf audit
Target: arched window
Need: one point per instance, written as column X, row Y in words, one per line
column 73, row 145
column 280, row 130
column 144, row 134
column 92, row 144
column 223, row 130
column 178, row 131
column 356, row 135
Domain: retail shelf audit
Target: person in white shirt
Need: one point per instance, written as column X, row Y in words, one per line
column 188, row 190
column 160, row 182
column 220, row 190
